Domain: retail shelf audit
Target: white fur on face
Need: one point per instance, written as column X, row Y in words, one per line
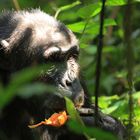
column 36, row 17
column 45, row 32
column 4, row 43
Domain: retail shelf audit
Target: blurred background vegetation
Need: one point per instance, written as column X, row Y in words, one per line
column 82, row 17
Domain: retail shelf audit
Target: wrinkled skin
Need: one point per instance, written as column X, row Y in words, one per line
column 29, row 38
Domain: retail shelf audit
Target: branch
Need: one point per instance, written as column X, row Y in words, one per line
column 99, row 58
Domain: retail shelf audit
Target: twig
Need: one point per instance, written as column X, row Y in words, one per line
column 85, row 27
column 99, row 58
column 16, row 5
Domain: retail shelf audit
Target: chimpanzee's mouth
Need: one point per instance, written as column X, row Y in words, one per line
column 56, row 104
column 83, row 112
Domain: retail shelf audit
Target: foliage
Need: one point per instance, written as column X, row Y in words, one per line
column 75, row 123
column 82, row 17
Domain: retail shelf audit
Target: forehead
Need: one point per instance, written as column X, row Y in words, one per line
column 46, row 29
column 65, row 32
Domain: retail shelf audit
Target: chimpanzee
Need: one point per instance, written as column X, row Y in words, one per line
column 32, row 37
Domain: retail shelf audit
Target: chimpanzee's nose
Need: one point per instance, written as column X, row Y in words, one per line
column 77, row 92
column 74, row 91
column 79, row 100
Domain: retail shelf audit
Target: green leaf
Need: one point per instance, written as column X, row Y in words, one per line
column 106, row 101
column 91, row 132
column 71, row 110
column 77, row 27
column 115, row 2
column 110, row 22
column 74, row 114
column 90, row 49
column 136, row 95
column 19, row 79
column 35, row 89
column 109, row 49
column 92, row 27
column 118, row 108
column 89, row 11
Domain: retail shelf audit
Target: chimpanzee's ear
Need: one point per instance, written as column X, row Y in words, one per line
column 4, row 45
column 17, row 37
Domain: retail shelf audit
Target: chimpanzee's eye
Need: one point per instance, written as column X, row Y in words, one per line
column 55, row 58
column 73, row 52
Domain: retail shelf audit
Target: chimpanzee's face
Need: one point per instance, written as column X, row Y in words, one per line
column 37, row 36
column 64, row 74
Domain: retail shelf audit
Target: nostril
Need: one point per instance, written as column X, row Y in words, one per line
column 68, row 83
column 79, row 101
